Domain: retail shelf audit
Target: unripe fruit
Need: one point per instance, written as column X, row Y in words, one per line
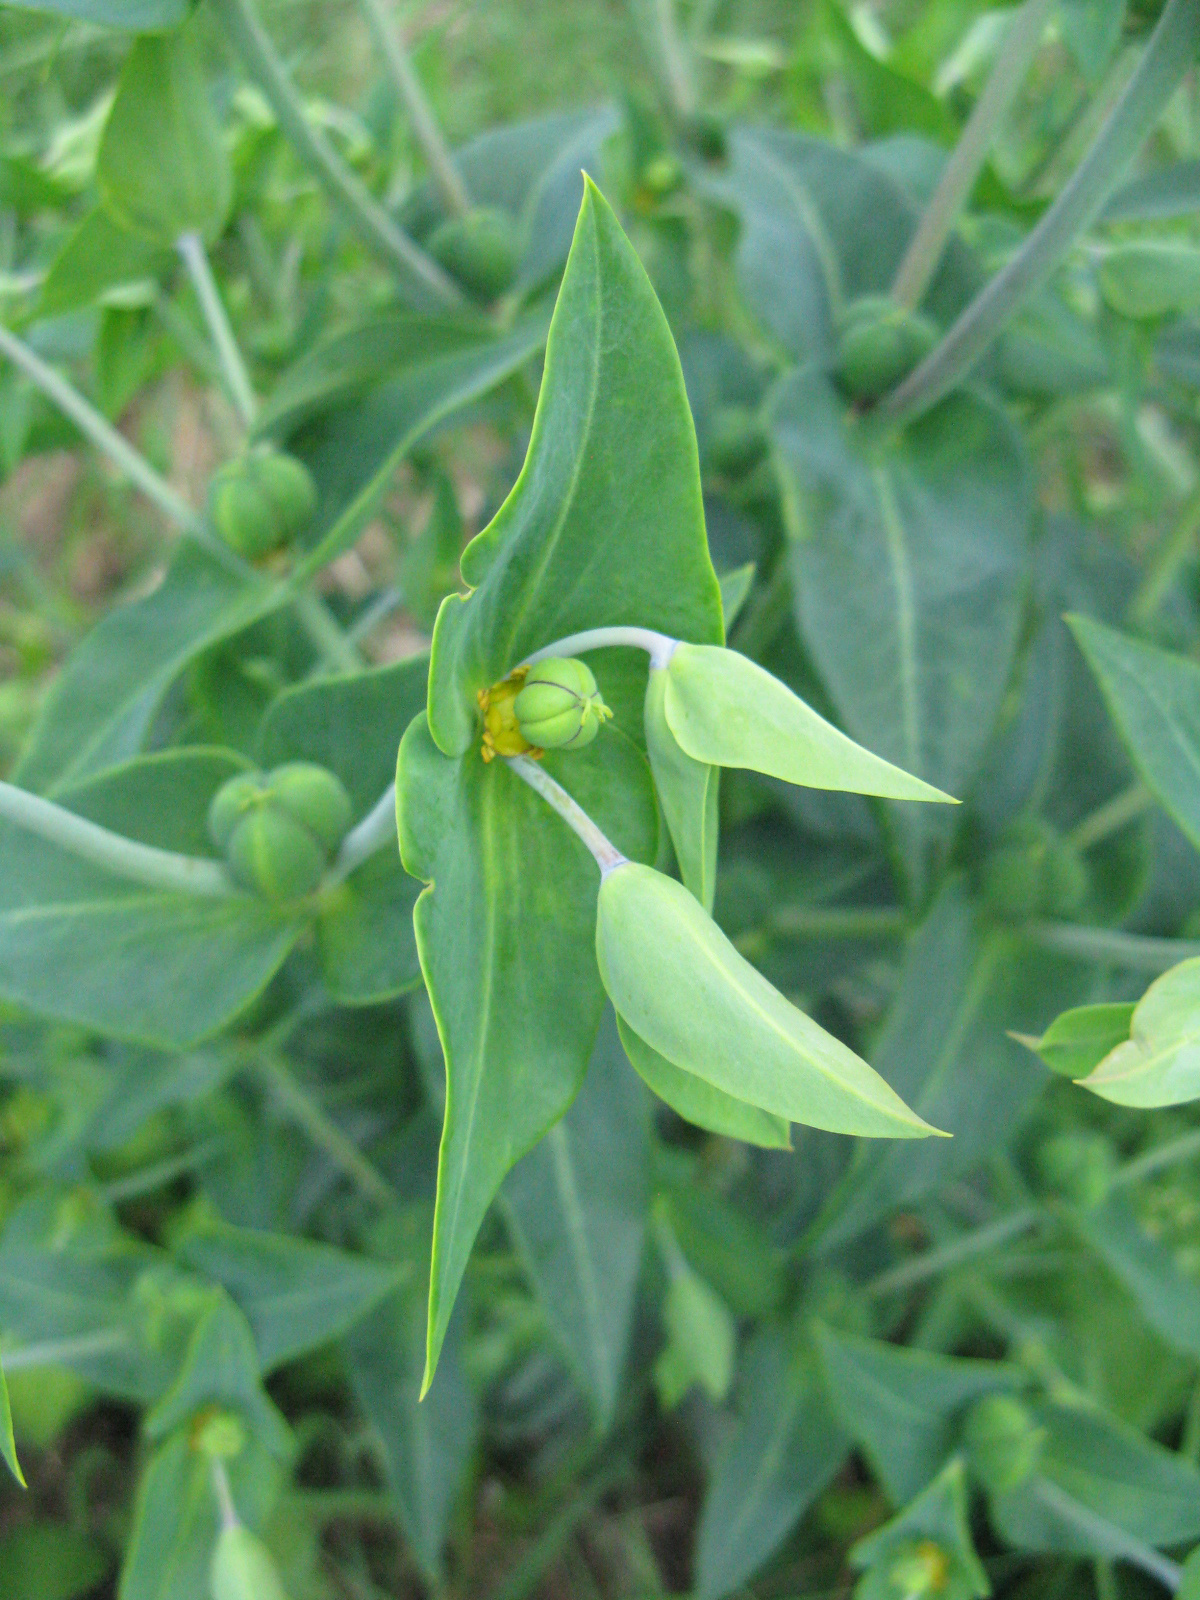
column 879, row 343
column 559, row 707
column 1003, row 1442
column 1079, row 1166
column 261, row 500
column 242, row 1568
column 737, row 441
column 230, row 804
column 481, row 251
column 1034, row 872
column 273, row 855
column 313, row 796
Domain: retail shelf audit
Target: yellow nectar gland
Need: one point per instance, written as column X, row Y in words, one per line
column 501, row 735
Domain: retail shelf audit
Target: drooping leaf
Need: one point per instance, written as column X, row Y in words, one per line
column 1078, row 1041
column 687, row 791
column 1168, row 1298
column 683, row 987
column 701, row 1336
column 576, row 1206
column 1150, row 277
column 1159, row 1063
column 1172, row 190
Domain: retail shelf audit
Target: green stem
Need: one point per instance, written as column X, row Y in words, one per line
column 420, row 113
column 1168, row 54
column 57, row 1352
column 925, row 248
column 838, row 922
column 1157, row 1160
column 659, row 27
column 147, row 1179
column 373, row 224
column 323, row 1131
column 605, row 853
column 237, row 379
column 1134, row 951
column 223, row 1494
column 141, row 863
column 376, row 831
column 1166, row 564
column 1111, row 817
column 951, row 1254
column 658, row 646
column 321, row 627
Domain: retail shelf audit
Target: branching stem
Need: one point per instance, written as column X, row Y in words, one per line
column 375, row 832
column 605, row 853
column 233, row 367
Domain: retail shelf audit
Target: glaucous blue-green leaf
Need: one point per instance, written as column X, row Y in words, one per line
column 1075, row 1043
column 1168, row 1297
column 296, row 1294
column 140, row 16
column 903, row 1406
column 939, row 1516
column 698, row 1102
column 1159, row 1063
column 365, row 932
column 909, row 553
column 8, row 1447
column 100, row 706
column 1154, row 698
column 605, row 525
column 98, row 255
column 505, row 933
column 163, row 169
column 785, row 1447
column 725, row 709
column 733, row 1250
column 576, row 1207
column 1171, row 190
column 682, row 986
column 687, row 791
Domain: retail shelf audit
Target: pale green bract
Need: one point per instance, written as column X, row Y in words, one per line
column 1159, row 1064
column 679, row 983
column 725, row 709
column 687, row 792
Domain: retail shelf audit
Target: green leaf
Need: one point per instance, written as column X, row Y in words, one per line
column 1075, row 1043
column 1159, row 1064
column 1172, row 190
column 701, row 1337
column 1154, row 698
column 505, row 934
column 909, row 553
column 1168, row 1298
column 365, row 932
column 687, row 791
column 785, row 1448
column 938, row 1516
column 699, row 1102
column 889, row 102
column 141, row 16
column 903, row 1406
column 576, row 1207
column 96, row 256
column 162, row 168
column 49, row 1560
column 605, row 525
column 681, row 985
column 1150, row 277
column 727, row 710
column 8, row 1447
column 295, row 1294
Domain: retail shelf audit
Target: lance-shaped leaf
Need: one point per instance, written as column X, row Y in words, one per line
column 1159, row 1063
column 1168, row 1297
column 934, row 1528
column 8, row 1448
column 725, row 709
column 687, row 792
column 683, row 987
column 1075, row 1043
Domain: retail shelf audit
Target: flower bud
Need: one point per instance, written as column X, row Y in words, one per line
column 261, row 500
column 242, row 1568
column 273, row 855
column 314, row 796
column 879, row 343
column 559, row 707
column 479, row 251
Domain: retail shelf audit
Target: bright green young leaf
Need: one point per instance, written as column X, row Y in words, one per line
column 1075, row 1043
column 698, row 1102
column 701, row 1333
column 725, row 709
column 605, row 525
column 687, row 791
column 140, row 16
column 893, row 1555
column 576, row 1207
column 8, row 1448
column 97, row 256
column 680, row 984
column 1150, row 277
column 1168, row 1297
column 1159, row 1063
column 163, row 170
column 903, row 1406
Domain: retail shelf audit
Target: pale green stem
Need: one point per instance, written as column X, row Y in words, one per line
column 837, row 922
column 60, row 1352
column 952, row 1254
column 660, row 30
column 420, row 113
column 605, row 853
column 373, row 224
column 375, row 832
column 1157, row 1160
column 1168, row 54
column 1134, row 951
column 147, row 1179
column 1166, row 565
column 322, row 628
column 224, row 1495
column 1113, row 1540
column 378, row 611
column 658, row 646
column 323, row 1131
column 237, row 379
column 140, row 863
column 1111, row 817
column 920, row 263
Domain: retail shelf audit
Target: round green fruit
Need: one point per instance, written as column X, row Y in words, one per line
column 1078, row 1166
column 559, row 706
column 273, row 855
column 1003, row 1442
column 879, row 343
column 261, row 500
column 313, row 796
column 480, row 251
column 230, row 804
column 242, row 1568
column 1034, row 872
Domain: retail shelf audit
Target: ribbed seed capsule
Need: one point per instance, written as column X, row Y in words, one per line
column 278, row 830
column 560, row 707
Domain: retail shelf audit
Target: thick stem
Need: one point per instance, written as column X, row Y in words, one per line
column 658, row 646
column 323, row 1131
column 375, row 832
column 605, row 853
column 420, row 113
column 237, row 379
column 925, row 248
column 372, row 223
column 223, row 1493
column 1167, row 57
column 141, row 863
column 1135, row 952
column 952, row 1254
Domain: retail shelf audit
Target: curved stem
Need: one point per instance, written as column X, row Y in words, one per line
column 925, row 248
column 420, row 113
column 1136, row 952
column 323, row 630
column 376, row 830
column 1111, row 817
column 233, row 367
column 606, row 854
column 57, row 1352
column 372, row 223
column 658, row 646
column 1168, row 55
column 140, row 863
column 321, row 1129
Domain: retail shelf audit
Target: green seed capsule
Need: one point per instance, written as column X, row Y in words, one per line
column 559, row 707
column 261, row 500
column 231, row 803
column 314, row 796
column 242, row 1568
column 273, row 855
column 480, row 251
column 1003, row 1442
column 879, row 343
